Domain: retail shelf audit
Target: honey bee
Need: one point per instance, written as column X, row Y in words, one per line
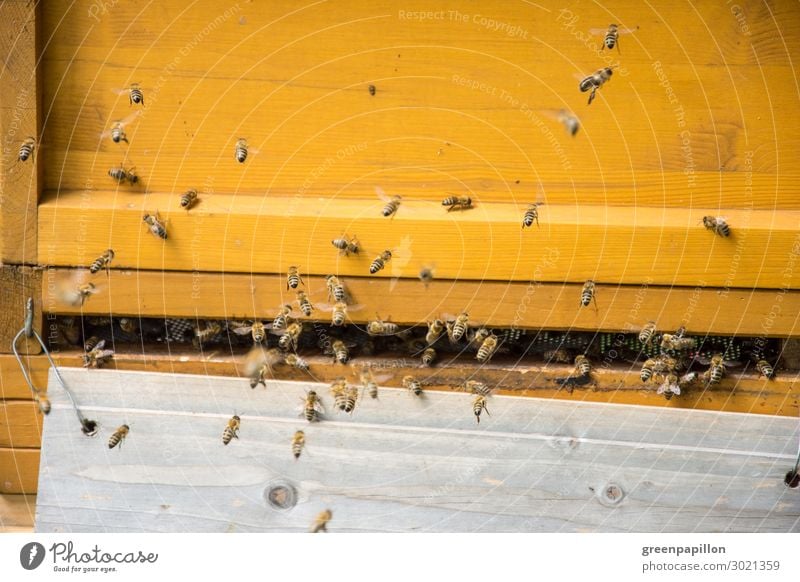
column 77, row 296
column 646, row 335
column 205, row 335
column 97, row 356
column 380, row 327
column 582, row 365
column 426, row 275
column 346, row 246
column 428, row 357
column 135, row 95
column 716, row 370
column 594, row 81
column 487, row 349
column 611, row 35
column 476, row 387
column 103, row 261
column 321, row 523
column 344, row 396
column 157, row 228
column 339, row 314
column 380, row 262
column 117, row 130
column 43, row 402
column 647, row 369
column 687, row 379
column 298, row 442
column 260, row 377
column 128, row 325
column 413, row 385
column 293, row 278
column 312, row 407
column 335, row 288
column 290, row 336
column 670, row 386
column 392, row 203
column 369, row 382
column 717, row 225
column 306, row 308
column 765, row 369
column 26, row 149
column 457, row 202
column 282, row 319
column 258, row 331
column 531, row 215
column 91, row 343
column 457, row 329
column 372, row 90
column 189, row 198
column 240, row 151
column 478, row 406
column 558, row 355
column 296, row 361
column 232, row 430
column 569, row 121
column 677, row 342
column 120, row 174
column 587, row 294
column 118, row 436
column 435, row 330
column 340, row 352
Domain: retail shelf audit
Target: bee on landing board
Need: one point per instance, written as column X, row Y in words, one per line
column 312, row 409
column 341, row 354
column 435, row 330
column 290, row 336
column 717, row 225
column 582, row 365
column 611, row 35
column 156, row 227
column 97, row 356
column 121, row 175
column 293, row 278
column 232, row 430
column 457, row 203
column 765, row 369
column 380, row 262
column 257, row 330
column 335, row 288
column 392, row 203
column 102, row 262
column 347, row 246
column 594, row 81
column 531, row 215
column 118, row 436
column 588, row 294
column 306, row 308
column 298, row 442
column 412, row 384
column 321, row 523
column 205, row 334
column 428, row 357
column 296, row 362
column 189, row 198
column 478, row 406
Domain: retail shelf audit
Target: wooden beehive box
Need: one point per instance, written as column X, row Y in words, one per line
column 340, row 102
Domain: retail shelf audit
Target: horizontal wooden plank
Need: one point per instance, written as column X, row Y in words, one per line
column 17, row 285
column 574, row 244
column 19, row 470
column 533, row 465
column 702, row 310
column 467, row 112
column 613, row 381
column 17, row 513
column 12, row 382
column 20, row 424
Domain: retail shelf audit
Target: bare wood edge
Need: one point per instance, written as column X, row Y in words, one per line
column 20, row 32
column 17, row 513
column 519, row 305
column 19, row 469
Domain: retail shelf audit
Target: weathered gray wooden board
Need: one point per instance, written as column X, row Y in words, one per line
column 402, row 463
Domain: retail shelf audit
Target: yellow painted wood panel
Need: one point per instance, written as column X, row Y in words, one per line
column 736, row 312
column 573, row 244
column 19, row 470
column 20, row 424
column 459, row 105
column 12, row 382
column 17, row 513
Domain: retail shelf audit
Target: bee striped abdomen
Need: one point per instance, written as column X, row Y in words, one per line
column 26, row 149
column 188, row 199
column 118, row 436
column 240, row 151
column 429, row 356
column 136, row 96
column 232, row 430
column 765, row 369
column 479, row 406
column 298, row 442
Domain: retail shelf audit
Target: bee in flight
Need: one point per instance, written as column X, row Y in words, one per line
column 97, row 356
column 101, row 262
column 260, row 377
column 257, row 330
column 118, row 436
column 43, row 402
column 647, row 333
column 587, row 294
column 717, row 225
column 765, row 369
column 26, row 149
column 189, row 198
column 346, row 246
column 370, row 382
column 594, row 81
column 78, row 295
column 293, row 278
column 298, row 442
column 157, row 228
column 457, row 202
column 231, row 430
column 135, row 94
column 478, row 406
column 380, row 262
column 117, row 130
column 207, row 333
column 426, row 275
column 121, row 175
column 372, row 90
column 306, row 308
column 611, row 38
column 312, row 407
column 392, row 203
column 412, row 384
column 321, row 523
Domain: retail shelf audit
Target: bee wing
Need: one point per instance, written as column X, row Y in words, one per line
column 627, row 30
column 121, row 122
column 382, row 378
column 356, row 307
column 99, row 346
column 382, row 194
column 104, row 354
column 121, row 90
column 243, row 330
column 598, row 31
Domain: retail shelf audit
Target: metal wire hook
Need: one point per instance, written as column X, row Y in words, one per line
column 88, row 427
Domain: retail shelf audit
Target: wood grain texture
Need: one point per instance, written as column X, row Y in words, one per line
column 20, row 424
column 575, row 243
column 12, row 382
column 405, row 464
column 407, row 302
column 17, row 284
column 19, row 470
column 700, row 106
column 17, row 513
column 20, row 95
